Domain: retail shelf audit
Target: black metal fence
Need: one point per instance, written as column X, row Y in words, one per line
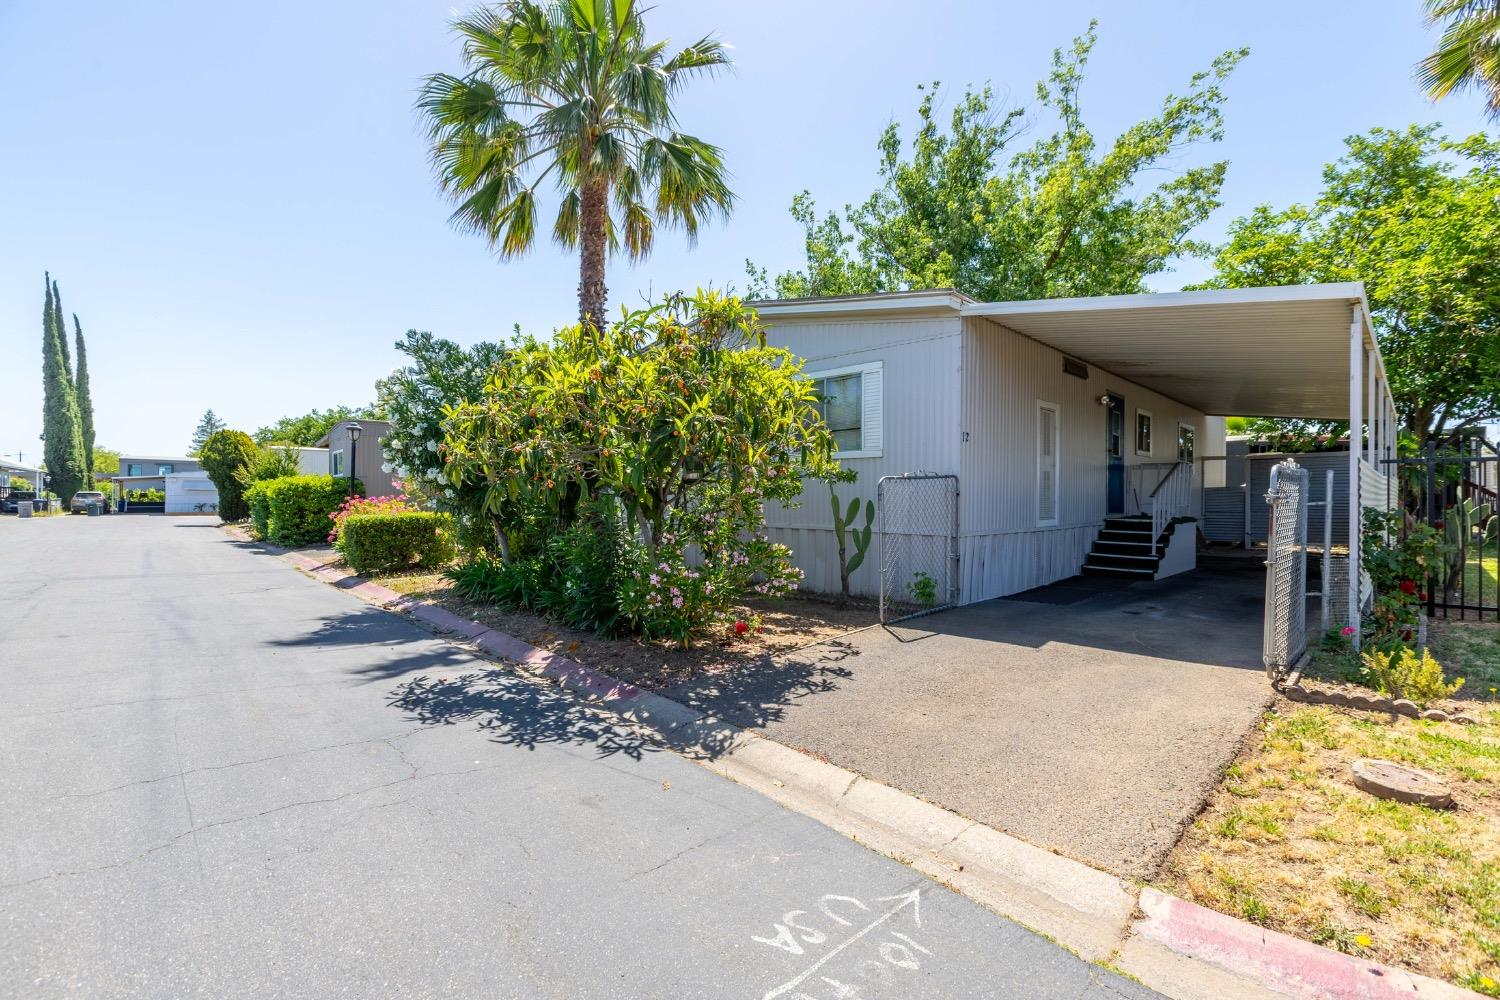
column 1457, row 492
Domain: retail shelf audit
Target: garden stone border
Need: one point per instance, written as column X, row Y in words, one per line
column 1173, row 946
column 1294, row 689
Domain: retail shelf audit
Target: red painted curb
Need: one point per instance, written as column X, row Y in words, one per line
column 373, row 592
column 1298, row 967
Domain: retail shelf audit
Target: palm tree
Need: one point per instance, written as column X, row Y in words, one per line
column 1468, row 54
column 571, row 89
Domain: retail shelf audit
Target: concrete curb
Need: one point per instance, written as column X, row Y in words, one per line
column 1175, row 947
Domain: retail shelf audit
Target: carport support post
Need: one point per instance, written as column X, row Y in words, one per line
column 1356, row 442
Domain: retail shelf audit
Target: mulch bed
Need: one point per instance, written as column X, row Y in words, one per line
column 785, row 625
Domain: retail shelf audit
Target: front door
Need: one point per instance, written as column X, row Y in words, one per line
column 1115, row 454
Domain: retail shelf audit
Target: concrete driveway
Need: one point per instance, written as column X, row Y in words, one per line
column 1090, row 717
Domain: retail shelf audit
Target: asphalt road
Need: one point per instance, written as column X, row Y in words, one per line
column 219, row 777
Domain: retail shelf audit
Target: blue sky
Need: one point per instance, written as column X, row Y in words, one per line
column 236, row 201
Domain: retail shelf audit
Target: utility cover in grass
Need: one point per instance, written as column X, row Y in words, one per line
column 1386, row 780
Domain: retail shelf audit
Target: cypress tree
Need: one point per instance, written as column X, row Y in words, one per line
column 62, row 332
column 85, row 400
column 62, row 445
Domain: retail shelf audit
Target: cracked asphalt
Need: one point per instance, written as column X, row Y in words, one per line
column 221, row 778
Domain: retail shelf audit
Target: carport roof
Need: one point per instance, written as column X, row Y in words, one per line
column 1279, row 351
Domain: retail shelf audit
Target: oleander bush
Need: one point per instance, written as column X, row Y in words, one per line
column 397, row 540
column 299, row 509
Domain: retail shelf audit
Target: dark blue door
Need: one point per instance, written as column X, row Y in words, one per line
column 1115, row 445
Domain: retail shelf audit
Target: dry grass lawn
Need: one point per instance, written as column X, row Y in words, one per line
column 1288, row 842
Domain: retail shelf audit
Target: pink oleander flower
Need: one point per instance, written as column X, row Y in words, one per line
column 1347, row 631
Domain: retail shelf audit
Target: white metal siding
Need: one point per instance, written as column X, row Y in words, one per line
column 1006, row 376
column 917, row 393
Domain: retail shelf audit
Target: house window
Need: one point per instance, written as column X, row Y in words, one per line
column 1185, row 442
column 336, row 463
column 1046, row 463
column 849, row 403
column 1143, row 432
column 164, row 470
column 135, row 469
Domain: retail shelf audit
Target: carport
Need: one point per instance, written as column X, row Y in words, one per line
column 1296, row 351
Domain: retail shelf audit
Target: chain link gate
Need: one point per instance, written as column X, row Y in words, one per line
column 918, row 523
column 1285, row 637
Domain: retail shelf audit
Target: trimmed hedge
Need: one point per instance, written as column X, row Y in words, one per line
column 258, row 498
column 297, row 509
column 375, row 543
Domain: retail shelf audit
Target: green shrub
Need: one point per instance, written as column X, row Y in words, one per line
column 300, row 508
column 224, row 456
column 145, row 496
column 1402, row 673
column 375, row 543
column 258, row 501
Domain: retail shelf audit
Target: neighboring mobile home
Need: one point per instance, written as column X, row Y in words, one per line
column 1055, row 415
column 363, row 454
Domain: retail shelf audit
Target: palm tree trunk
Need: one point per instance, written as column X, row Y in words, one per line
column 592, row 219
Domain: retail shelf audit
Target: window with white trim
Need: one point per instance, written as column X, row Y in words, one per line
column 336, row 463
column 849, row 400
column 1186, row 433
column 1142, row 432
column 1046, row 463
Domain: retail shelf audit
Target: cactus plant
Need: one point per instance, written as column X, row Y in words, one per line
column 843, row 527
column 1469, row 527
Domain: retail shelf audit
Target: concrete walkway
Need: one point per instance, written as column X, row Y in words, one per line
column 222, row 778
column 1087, row 719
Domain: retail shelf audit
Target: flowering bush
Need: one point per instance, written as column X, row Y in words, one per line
column 441, row 376
column 675, row 599
column 1400, row 558
column 681, row 421
column 364, row 505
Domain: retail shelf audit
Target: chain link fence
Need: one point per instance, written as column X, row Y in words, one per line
column 1285, row 637
column 918, row 524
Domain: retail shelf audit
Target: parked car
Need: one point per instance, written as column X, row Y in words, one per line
column 83, row 498
column 8, row 505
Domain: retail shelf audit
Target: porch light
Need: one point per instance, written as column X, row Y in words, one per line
column 1104, row 399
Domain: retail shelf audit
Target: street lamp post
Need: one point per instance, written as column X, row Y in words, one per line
column 354, row 430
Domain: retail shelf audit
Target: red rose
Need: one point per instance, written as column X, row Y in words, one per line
column 1408, row 587
column 740, row 628
column 1438, row 525
column 1422, row 596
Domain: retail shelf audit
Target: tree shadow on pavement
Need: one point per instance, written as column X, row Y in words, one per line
column 514, row 712
column 394, row 647
column 760, row 693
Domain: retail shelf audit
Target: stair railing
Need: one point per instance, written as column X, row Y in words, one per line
column 1172, row 498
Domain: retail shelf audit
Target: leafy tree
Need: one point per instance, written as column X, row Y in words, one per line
column 270, row 462
column 62, row 444
column 967, row 210
column 1417, row 219
column 21, row 483
column 106, row 461
column 572, row 88
column 307, row 430
column 85, row 402
column 208, row 425
column 1468, row 54
column 416, row 399
column 224, row 454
